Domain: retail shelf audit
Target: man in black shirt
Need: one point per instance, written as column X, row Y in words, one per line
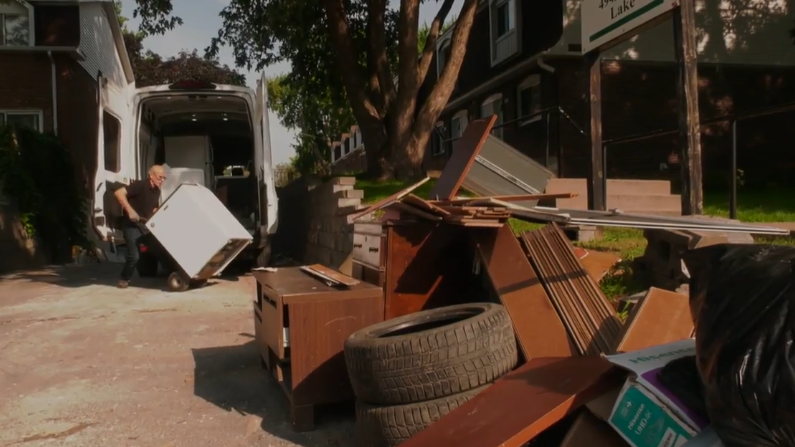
column 139, row 200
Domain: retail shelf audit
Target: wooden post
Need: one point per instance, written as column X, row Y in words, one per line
column 596, row 176
column 684, row 20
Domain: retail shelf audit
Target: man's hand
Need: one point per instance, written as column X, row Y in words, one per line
column 134, row 216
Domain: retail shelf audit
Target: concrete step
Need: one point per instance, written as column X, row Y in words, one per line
column 669, row 205
column 614, row 186
column 633, row 203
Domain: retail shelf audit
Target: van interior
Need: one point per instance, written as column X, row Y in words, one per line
column 209, row 132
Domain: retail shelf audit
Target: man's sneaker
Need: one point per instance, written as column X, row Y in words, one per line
column 123, row 284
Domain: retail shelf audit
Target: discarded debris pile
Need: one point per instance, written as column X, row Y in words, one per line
column 453, row 330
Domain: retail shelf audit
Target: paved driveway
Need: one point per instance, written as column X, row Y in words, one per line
column 85, row 364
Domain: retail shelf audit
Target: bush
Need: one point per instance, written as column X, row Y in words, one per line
column 36, row 171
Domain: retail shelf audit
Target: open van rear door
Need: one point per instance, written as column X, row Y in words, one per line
column 115, row 157
column 263, row 160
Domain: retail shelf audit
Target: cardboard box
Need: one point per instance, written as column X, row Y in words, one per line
column 648, row 414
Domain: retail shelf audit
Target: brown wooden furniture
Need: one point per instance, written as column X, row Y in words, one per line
column 420, row 265
column 300, row 325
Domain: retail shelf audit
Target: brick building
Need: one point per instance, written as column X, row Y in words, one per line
column 523, row 63
column 63, row 69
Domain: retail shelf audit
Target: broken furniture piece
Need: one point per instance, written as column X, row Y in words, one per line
column 300, row 326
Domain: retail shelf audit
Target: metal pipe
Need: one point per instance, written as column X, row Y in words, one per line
column 53, row 74
column 604, row 176
column 733, row 179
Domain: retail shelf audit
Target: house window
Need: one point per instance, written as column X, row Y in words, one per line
column 438, row 139
column 14, row 30
column 529, row 99
column 505, row 18
column 29, row 118
column 493, row 106
column 111, row 128
column 457, row 124
column 504, row 35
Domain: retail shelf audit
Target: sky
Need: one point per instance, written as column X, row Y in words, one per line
column 201, row 23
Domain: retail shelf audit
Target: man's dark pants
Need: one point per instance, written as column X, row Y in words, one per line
column 131, row 234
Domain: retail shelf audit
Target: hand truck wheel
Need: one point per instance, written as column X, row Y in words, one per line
column 178, row 282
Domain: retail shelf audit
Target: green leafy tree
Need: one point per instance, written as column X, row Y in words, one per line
column 150, row 68
column 364, row 46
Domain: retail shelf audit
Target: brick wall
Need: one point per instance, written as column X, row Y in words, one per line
column 311, row 229
column 25, row 83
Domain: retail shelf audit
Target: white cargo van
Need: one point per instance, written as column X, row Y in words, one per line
column 191, row 126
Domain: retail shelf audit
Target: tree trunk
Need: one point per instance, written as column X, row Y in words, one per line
column 376, row 151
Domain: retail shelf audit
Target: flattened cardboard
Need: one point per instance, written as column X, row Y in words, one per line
column 647, row 413
column 660, row 317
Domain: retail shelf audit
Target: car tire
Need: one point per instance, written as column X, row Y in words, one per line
column 389, row 426
column 431, row 354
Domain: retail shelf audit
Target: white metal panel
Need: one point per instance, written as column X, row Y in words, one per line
column 186, row 152
column 97, row 44
column 193, row 226
column 263, row 156
column 179, row 176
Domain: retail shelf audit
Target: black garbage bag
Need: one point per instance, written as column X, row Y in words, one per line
column 742, row 298
column 682, row 378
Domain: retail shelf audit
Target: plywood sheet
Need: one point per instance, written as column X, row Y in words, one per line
column 538, row 327
column 465, row 149
column 524, row 403
column 659, row 317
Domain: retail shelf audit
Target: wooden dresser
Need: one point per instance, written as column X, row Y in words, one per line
column 300, row 325
column 419, row 265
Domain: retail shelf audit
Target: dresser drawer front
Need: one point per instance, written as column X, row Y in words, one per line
column 368, row 249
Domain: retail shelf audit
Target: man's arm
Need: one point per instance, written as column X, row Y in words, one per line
column 121, row 196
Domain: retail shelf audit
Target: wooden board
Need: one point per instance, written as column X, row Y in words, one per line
column 329, row 275
column 538, row 327
column 386, row 201
column 524, row 403
column 659, row 317
column 465, row 149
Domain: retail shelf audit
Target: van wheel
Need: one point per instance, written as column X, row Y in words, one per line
column 264, row 256
column 178, row 282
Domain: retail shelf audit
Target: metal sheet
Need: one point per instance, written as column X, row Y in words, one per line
column 499, row 169
column 640, row 221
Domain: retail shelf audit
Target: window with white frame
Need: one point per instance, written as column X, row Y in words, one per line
column 27, row 118
column 529, row 99
column 457, row 124
column 493, row 106
column 15, row 24
column 503, row 23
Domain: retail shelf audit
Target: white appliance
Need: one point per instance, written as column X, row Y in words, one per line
column 178, row 176
column 197, row 230
column 192, row 151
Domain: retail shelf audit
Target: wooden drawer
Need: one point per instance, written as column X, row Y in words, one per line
column 370, row 275
column 369, row 245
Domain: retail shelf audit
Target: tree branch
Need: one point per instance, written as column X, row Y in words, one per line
column 405, row 104
column 430, row 43
column 377, row 51
column 346, row 63
column 443, row 88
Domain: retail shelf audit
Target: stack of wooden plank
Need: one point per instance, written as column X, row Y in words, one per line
column 468, row 212
column 589, row 318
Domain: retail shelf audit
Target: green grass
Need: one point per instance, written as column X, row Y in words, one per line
column 755, row 205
